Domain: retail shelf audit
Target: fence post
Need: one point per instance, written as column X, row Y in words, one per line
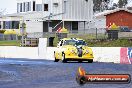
column 84, row 27
column 3, row 37
column 96, row 33
column 16, row 37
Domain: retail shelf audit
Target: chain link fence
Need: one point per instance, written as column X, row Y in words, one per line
column 41, row 35
column 4, row 37
column 89, row 33
column 32, row 39
column 92, row 33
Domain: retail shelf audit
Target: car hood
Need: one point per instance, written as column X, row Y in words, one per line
column 80, row 46
column 83, row 47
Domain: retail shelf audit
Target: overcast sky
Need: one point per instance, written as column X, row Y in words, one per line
column 115, row 1
column 9, row 5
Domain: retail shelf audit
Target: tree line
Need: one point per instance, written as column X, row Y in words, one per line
column 100, row 5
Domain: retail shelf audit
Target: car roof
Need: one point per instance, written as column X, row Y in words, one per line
column 71, row 39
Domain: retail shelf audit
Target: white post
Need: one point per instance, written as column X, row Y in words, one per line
column 42, row 48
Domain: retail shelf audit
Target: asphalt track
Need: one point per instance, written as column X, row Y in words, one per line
column 48, row 74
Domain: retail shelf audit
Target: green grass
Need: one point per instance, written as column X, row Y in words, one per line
column 90, row 42
column 10, row 43
column 101, row 40
column 88, row 36
column 110, row 43
column 104, row 42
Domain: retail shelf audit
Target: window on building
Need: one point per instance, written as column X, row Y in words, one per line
column 20, row 7
column 75, row 25
column 28, row 6
column 45, row 7
column 6, row 25
column 34, row 5
column 11, row 25
column 38, row 7
column 24, row 7
column 55, row 4
column 15, row 24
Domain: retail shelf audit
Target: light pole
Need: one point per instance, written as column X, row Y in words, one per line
column 22, row 30
column 50, row 15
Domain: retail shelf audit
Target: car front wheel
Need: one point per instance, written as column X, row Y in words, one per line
column 56, row 60
column 63, row 58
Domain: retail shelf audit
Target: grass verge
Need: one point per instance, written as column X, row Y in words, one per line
column 105, row 42
column 10, row 43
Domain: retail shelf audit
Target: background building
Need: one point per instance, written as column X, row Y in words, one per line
column 121, row 17
column 10, row 22
column 49, row 15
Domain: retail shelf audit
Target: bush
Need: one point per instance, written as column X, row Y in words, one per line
column 2, row 31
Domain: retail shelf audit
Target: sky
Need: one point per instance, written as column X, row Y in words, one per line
column 115, row 1
column 9, row 5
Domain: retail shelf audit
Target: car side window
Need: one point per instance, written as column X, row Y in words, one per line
column 60, row 43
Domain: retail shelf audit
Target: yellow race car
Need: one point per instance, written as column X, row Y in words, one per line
column 73, row 49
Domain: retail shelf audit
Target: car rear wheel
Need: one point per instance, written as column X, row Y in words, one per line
column 63, row 58
column 56, row 60
column 90, row 61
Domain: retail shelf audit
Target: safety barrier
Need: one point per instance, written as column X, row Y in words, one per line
column 101, row 54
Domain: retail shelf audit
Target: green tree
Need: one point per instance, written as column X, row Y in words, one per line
column 98, row 6
column 122, row 3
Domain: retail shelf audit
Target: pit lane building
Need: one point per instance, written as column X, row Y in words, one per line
column 49, row 15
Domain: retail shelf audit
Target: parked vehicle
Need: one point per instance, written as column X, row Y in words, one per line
column 125, row 29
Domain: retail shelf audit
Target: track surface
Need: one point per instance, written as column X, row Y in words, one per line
column 48, row 74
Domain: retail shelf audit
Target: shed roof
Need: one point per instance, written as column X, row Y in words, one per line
column 106, row 12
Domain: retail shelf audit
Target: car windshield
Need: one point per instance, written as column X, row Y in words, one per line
column 74, row 42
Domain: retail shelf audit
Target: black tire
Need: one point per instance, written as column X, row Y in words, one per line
column 56, row 60
column 90, row 61
column 63, row 58
column 80, row 61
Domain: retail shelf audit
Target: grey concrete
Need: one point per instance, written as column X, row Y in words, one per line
column 48, row 74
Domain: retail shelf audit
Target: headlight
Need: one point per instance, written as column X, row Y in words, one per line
column 87, row 51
